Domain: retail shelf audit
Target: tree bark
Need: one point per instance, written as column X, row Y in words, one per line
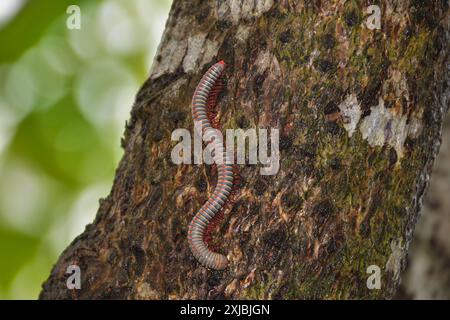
column 360, row 115
column 427, row 275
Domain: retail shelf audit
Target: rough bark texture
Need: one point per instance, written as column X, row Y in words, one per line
column 360, row 114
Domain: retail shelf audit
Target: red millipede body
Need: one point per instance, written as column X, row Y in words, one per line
column 204, row 99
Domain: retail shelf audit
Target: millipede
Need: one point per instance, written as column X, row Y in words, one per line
column 203, row 111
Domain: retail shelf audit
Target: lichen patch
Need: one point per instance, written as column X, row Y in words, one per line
column 242, row 33
column 263, row 61
column 171, row 55
column 172, row 48
column 211, row 49
column 145, row 291
column 351, row 113
column 235, row 10
column 194, row 50
column 395, row 260
column 414, row 128
column 385, row 127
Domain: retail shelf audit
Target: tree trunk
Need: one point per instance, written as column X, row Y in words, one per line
column 360, row 114
column 427, row 275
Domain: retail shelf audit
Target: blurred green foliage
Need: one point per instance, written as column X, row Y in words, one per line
column 64, row 98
